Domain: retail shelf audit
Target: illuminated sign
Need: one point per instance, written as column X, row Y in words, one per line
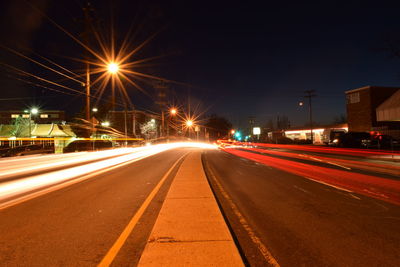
column 256, row 130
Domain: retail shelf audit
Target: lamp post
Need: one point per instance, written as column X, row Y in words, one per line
column 172, row 114
column 94, row 110
column 113, row 69
column 33, row 111
column 232, row 132
column 189, row 124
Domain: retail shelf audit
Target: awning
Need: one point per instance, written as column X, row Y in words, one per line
column 390, row 109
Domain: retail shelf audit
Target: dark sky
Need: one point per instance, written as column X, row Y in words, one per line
column 242, row 58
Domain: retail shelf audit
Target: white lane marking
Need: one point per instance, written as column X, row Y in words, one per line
column 301, row 189
column 329, row 162
column 341, row 166
column 356, row 197
column 334, row 186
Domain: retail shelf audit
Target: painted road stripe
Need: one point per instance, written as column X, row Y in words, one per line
column 112, row 253
column 254, row 238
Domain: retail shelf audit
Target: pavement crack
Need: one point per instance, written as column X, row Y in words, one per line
column 189, row 197
column 167, row 239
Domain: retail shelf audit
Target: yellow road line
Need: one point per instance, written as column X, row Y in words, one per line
column 112, row 253
column 256, row 240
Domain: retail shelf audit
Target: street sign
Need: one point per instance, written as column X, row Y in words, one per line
column 256, row 130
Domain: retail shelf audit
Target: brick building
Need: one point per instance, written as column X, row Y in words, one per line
column 362, row 104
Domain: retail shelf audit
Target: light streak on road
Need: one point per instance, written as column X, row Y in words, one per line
column 21, row 166
column 342, row 163
column 372, row 186
column 17, row 187
column 318, row 149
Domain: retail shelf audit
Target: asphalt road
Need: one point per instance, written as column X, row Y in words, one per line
column 276, row 216
column 301, row 222
column 77, row 225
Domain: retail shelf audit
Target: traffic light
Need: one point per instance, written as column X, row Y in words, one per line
column 238, row 136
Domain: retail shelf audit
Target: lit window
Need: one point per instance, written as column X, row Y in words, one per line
column 353, row 98
column 25, row 116
column 44, row 116
column 14, row 116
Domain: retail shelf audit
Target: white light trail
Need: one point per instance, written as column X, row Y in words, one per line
column 22, row 166
column 20, row 186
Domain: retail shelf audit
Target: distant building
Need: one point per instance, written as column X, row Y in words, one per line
column 374, row 109
column 321, row 134
column 42, row 117
column 133, row 119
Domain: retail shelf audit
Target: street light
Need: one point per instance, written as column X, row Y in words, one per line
column 33, row 111
column 113, row 68
column 189, row 123
column 172, row 114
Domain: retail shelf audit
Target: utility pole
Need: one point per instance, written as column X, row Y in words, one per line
column 133, row 121
column 161, row 101
column 310, row 94
column 86, row 10
column 125, row 124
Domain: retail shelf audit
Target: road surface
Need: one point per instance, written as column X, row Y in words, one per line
column 274, row 205
column 77, row 225
column 283, row 206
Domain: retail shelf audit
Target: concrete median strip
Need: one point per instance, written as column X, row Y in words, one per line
column 190, row 229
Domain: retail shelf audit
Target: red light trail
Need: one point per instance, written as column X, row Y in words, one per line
column 372, row 186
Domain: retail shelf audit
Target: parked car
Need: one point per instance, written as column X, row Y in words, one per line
column 27, row 150
column 331, row 136
column 380, row 141
column 85, row 145
column 353, row 139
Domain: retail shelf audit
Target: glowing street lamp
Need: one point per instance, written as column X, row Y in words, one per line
column 105, row 124
column 189, row 123
column 172, row 114
column 232, row 132
column 113, row 68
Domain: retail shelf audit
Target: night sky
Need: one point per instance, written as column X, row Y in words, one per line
column 238, row 58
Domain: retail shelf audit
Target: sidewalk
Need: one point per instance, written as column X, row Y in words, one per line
column 190, row 229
